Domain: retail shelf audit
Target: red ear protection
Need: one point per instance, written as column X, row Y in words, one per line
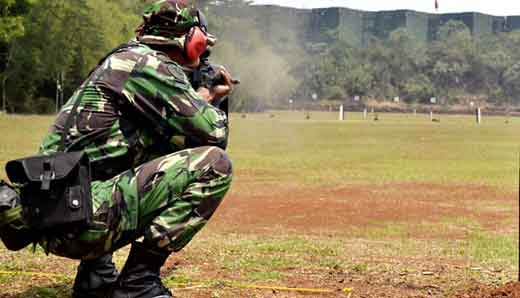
column 196, row 43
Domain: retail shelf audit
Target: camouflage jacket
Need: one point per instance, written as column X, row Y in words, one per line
column 135, row 106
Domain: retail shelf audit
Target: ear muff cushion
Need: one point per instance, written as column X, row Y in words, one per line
column 196, row 43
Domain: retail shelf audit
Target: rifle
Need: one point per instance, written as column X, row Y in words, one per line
column 208, row 76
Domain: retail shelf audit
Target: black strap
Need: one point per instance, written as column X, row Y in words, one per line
column 70, row 118
column 48, row 173
column 72, row 114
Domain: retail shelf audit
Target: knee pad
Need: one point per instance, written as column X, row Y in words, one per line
column 214, row 157
column 222, row 162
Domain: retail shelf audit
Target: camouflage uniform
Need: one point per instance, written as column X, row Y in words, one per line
column 156, row 150
column 136, row 107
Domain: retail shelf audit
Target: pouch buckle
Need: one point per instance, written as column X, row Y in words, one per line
column 48, row 174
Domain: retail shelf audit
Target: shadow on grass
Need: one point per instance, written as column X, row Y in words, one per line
column 58, row 290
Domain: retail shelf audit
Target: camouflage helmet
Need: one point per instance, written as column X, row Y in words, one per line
column 167, row 22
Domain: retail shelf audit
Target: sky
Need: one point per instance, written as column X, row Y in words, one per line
column 494, row 7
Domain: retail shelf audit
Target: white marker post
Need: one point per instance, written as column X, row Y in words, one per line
column 431, row 115
column 479, row 116
column 341, row 113
column 365, row 114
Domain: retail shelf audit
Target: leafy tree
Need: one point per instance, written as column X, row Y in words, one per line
column 418, row 88
column 41, row 40
column 11, row 27
column 64, row 38
column 450, row 57
column 11, row 19
column 512, row 81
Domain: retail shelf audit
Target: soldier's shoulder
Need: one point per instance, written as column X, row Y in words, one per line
column 132, row 51
column 162, row 64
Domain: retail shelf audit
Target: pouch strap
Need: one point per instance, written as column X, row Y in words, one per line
column 72, row 114
column 48, row 174
column 68, row 123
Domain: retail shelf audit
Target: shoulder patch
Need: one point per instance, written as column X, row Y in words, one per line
column 175, row 71
column 178, row 76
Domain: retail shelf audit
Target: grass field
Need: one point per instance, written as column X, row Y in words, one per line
column 400, row 207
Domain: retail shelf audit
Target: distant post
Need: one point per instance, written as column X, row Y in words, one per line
column 431, row 115
column 478, row 113
column 365, row 114
column 62, row 84
column 3, row 96
column 58, row 90
column 341, row 113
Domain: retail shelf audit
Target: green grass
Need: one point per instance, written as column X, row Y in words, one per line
column 328, row 153
column 398, row 148
column 21, row 135
column 395, row 149
column 486, row 247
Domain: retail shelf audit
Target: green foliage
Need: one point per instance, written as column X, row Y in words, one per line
column 11, row 18
column 454, row 67
column 41, row 40
column 512, row 79
column 63, row 37
column 418, row 88
column 453, row 30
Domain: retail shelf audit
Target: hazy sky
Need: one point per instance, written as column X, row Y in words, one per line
column 495, row 7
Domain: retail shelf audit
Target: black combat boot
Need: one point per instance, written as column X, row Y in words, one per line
column 95, row 278
column 140, row 275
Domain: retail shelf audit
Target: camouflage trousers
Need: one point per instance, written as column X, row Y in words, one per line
column 165, row 201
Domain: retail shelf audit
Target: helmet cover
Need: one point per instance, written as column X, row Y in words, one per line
column 168, row 22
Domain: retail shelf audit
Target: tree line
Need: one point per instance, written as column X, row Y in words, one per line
column 51, row 45
column 455, row 68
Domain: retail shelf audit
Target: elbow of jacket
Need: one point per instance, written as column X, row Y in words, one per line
column 222, row 144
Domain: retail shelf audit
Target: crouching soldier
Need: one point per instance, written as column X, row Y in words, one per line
column 156, row 153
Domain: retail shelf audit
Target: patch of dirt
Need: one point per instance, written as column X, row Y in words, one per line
column 271, row 208
column 296, row 208
column 510, row 290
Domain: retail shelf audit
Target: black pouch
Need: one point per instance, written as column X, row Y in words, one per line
column 56, row 190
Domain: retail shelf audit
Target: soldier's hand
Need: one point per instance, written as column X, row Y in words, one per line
column 205, row 94
column 221, row 90
column 224, row 89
